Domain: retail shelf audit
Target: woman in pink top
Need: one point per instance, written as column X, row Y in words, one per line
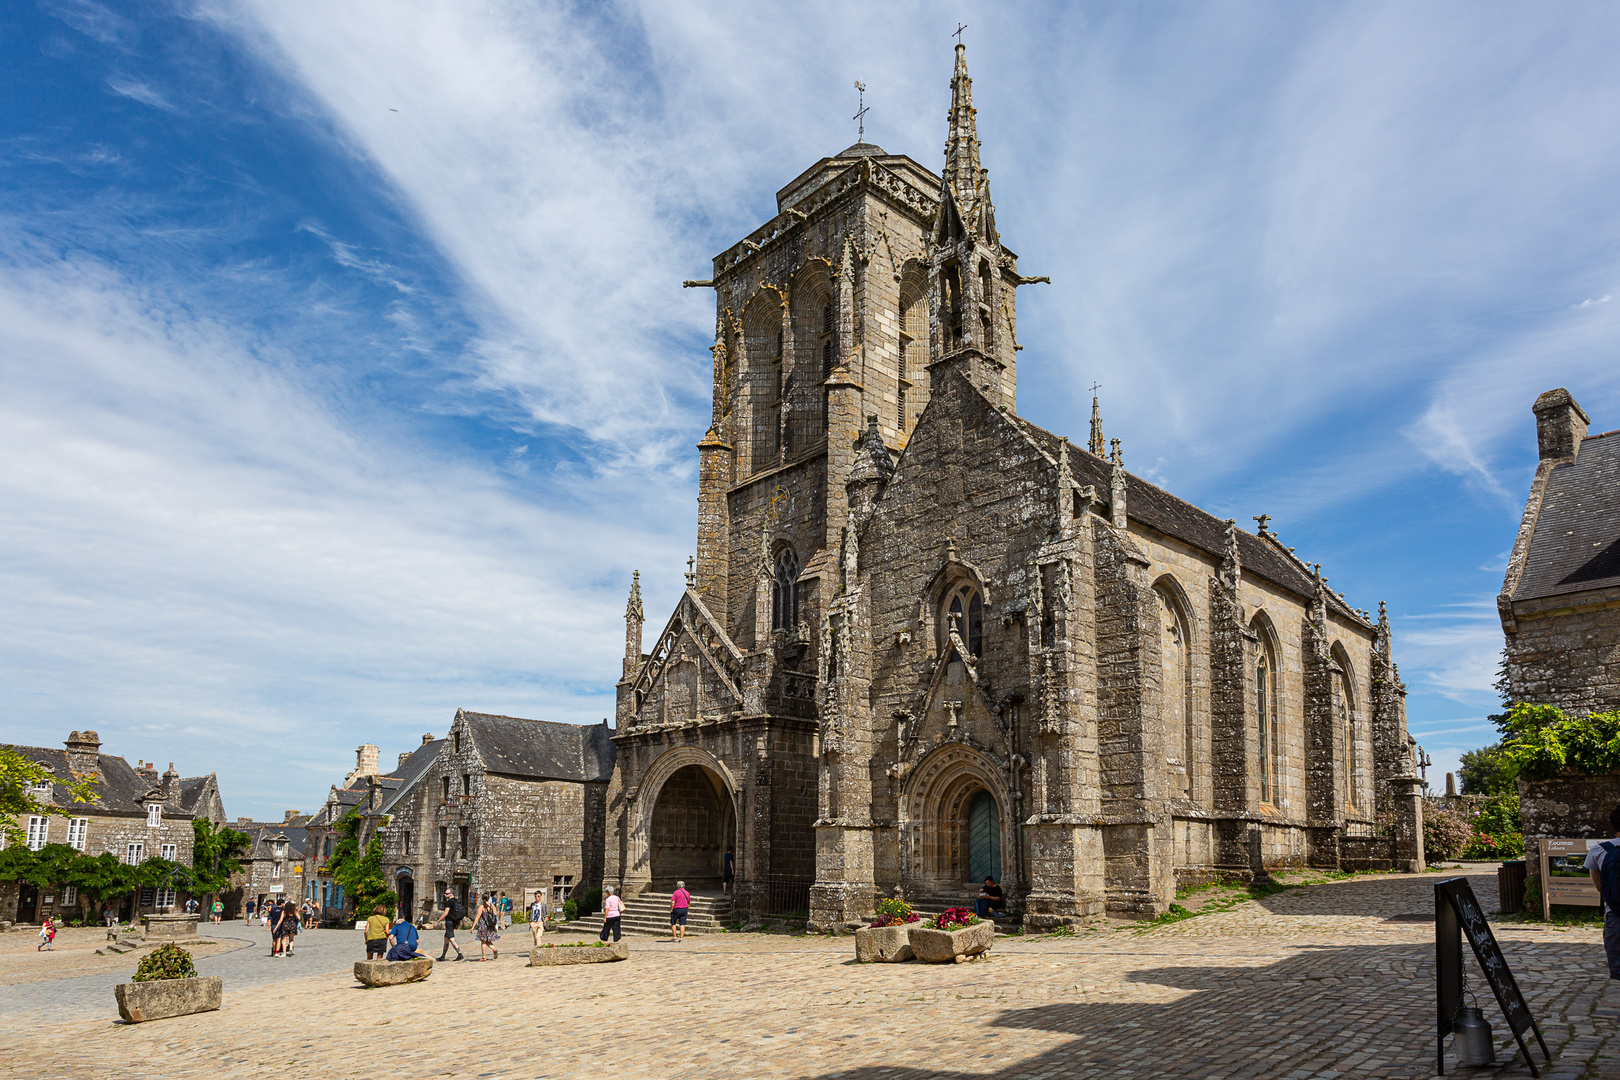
column 679, row 901
column 612, row 911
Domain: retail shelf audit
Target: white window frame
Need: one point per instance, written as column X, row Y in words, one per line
column 170, row 852
column 163, row 898
column 78, row 830
column 275, row 871
column 70, row 895
column 134, row 852
column 39, row 829
column 154, row 815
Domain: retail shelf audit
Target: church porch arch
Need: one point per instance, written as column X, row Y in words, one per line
column 958, row 828
column 685, row 817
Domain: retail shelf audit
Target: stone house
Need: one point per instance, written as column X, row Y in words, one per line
column 137, row 814
column 499, row 804
column 273, row 866
column 925, row 640
column 1560, row 604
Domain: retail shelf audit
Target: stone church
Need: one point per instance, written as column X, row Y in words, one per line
column 925, row 640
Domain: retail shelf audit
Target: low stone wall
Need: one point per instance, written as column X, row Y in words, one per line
column 1367, row 853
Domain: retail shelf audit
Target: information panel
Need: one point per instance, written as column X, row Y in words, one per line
column 1563, row 879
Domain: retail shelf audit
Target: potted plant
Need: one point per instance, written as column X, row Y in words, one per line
column 166, row 984
column 954, row 935
column 888, row 939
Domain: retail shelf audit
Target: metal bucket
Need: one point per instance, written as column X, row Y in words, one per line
column 1474, row 1043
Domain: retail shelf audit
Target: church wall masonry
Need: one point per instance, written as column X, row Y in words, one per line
column 925, row 640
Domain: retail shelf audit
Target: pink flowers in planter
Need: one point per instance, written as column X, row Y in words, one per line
column 955, row 918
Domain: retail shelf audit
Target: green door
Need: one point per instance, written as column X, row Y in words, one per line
column 984, row 839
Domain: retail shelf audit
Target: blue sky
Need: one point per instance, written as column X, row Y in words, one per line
column 347, row 373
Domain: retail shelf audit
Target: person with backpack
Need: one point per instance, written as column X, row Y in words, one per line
column 402, row 939
column 486, row 927
column 451, row 917
column 1603, row 862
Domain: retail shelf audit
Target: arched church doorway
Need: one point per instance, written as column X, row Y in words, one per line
column 692, row 824
column 984, row 838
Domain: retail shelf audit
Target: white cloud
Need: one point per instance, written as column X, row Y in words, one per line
column 140, row 91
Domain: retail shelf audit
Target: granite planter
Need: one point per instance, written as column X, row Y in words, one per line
column 163, row 998
column 947, row 946
column 563, row 955
column 392, row 972
column 883, row 944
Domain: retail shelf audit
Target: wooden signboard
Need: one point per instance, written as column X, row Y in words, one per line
column 1457, row 914
column 1563, row 880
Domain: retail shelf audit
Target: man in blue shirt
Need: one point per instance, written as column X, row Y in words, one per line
column 402, row 939
column 1603, row 862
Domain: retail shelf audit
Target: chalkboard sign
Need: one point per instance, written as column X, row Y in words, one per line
column 1457, row 914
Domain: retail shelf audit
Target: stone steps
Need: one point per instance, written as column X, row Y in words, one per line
column 649, row 914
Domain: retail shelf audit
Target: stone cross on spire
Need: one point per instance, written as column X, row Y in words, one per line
column 962, row 145
column 1096, row 445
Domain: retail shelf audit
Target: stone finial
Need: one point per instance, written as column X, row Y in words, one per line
column 1263, row 520
column 1117, row 491
column 633, row 619
column 632, row 609
column 1232, row 561
column 691, row 577
column 1383, row 643
column 1096, row 445
column 872, row 462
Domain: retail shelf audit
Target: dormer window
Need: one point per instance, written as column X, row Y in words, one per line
column 154, row 815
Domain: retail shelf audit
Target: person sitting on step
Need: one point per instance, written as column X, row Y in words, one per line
column 990, row 899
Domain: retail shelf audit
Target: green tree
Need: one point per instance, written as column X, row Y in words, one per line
column 215, row 855
column 359, row 871
column 1487, row 771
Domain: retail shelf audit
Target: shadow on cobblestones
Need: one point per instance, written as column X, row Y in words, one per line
column 1330, row 1011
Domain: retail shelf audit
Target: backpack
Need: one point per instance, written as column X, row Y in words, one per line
column 1609, row 877
column 456, row 912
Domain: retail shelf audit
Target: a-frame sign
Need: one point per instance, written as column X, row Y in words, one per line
column 1457, row 912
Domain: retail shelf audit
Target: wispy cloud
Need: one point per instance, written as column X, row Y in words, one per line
column 140, row 91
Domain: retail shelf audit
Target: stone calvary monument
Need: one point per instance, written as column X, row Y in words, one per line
column 925, row 640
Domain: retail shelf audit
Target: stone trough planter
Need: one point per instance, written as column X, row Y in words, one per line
column 948, row 946
column 563, row 955
column 883, row 944
column 163, row 998
column 392, row 972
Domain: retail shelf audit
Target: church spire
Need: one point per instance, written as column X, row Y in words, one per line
column 962, row 172
column 1096, row 445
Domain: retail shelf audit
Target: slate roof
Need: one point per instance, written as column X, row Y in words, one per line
column 263, row 835
column 410, row 772
column 121, row 790
column 1164, row 512
column 541, row 749
column 1576, row 545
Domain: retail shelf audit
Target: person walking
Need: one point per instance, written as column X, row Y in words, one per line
column 537, row 919
column 506, row 912
column 271, row 914
column 1603, row 862
column 486, row 926
column 286, row 928
column 679, row 901
column 218, row 910
column 731, row 871
column 252, row 907
column 377, row 933
column 47, row 931
column 612, row 912
column 451, row 918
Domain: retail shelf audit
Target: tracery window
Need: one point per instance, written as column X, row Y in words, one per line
column 964, row 612
column 1263, row 679
column 785, row 591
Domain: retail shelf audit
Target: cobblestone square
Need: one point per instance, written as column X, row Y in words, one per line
column 1320, row 981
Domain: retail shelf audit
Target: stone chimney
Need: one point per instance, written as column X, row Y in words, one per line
column 244, row 821
column 1560, row 425
column 427, row 738
column 288, row 815
column 365, row 760
column 84, row 754
column 404, row 756
column 148, row 772
column 171, row 786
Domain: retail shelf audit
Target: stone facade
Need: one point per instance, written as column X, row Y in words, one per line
column 137, row 814
column 1560, row 599
column 272, row 866
column 500, row 804
column 925, row 639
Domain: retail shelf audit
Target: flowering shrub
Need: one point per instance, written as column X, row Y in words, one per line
column 1445, row 832
column 893, row 911
column 953, row 919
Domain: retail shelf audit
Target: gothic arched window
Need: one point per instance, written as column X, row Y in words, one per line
column 964, row 612
column 1262, row 697
column 785, row 591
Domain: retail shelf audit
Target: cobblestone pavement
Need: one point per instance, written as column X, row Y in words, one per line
column 1316, row 982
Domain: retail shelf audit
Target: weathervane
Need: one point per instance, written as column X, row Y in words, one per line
column 860, row 108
